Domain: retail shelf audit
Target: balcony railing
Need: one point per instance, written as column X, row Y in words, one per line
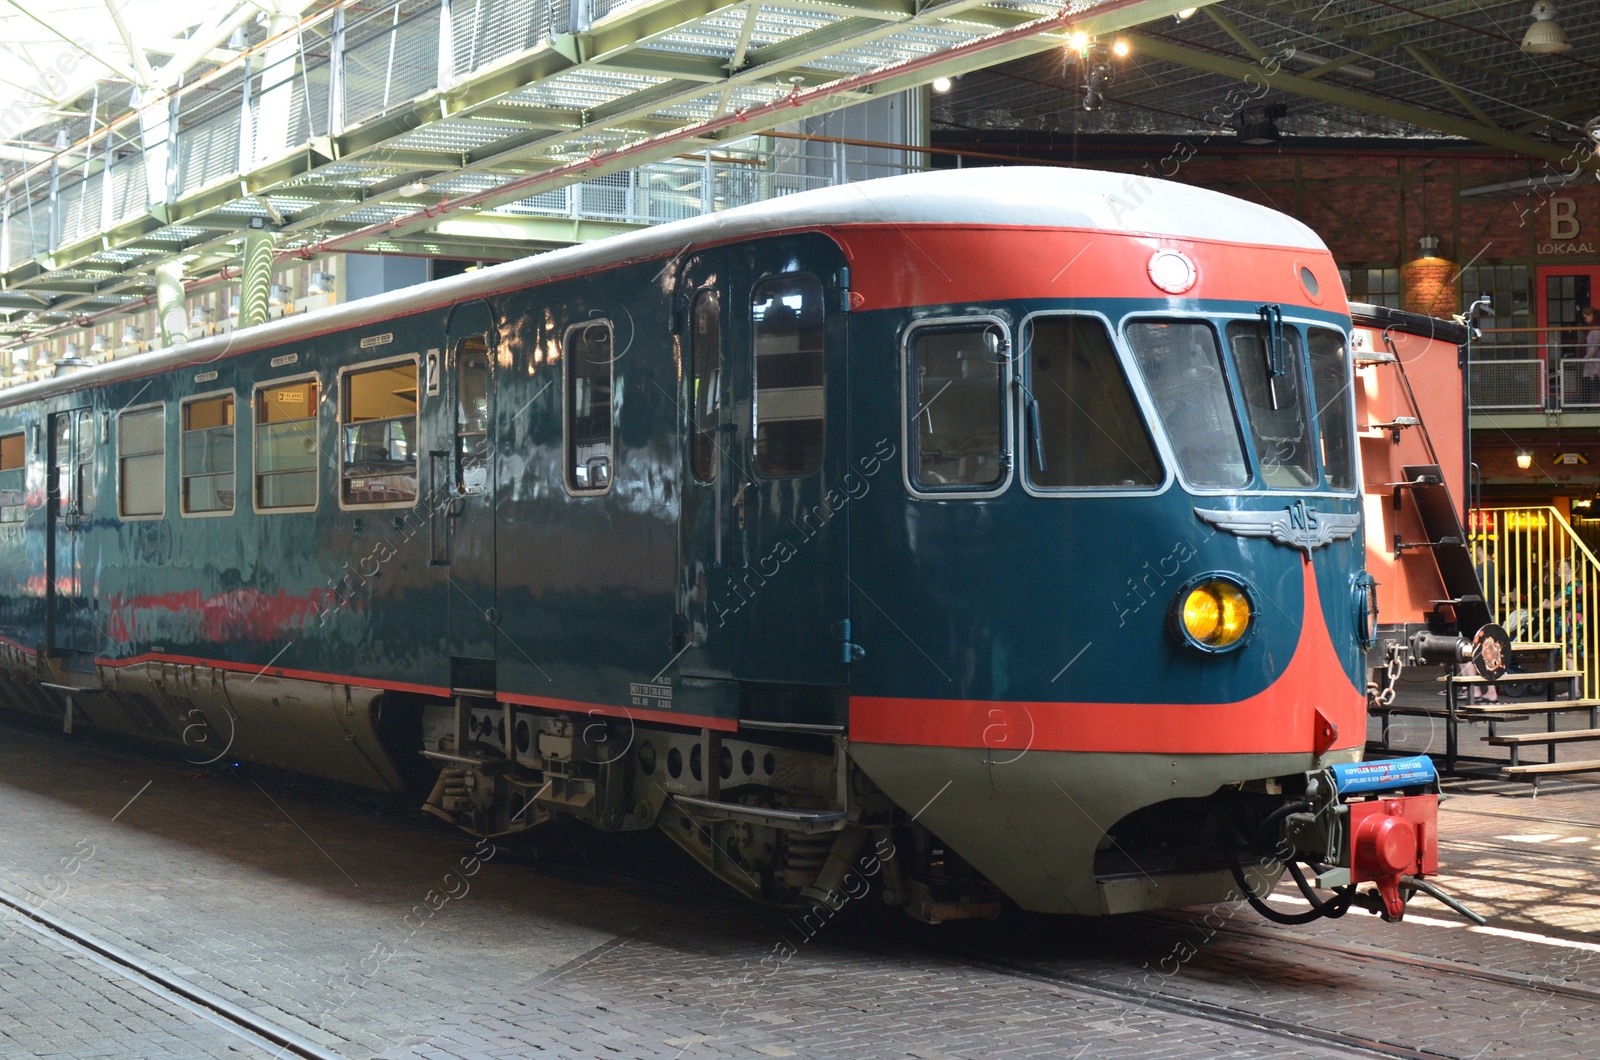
column 1532, row 384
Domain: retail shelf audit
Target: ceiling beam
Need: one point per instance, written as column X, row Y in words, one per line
column 1240, row 69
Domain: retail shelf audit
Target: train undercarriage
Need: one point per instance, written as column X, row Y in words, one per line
column 782, row 816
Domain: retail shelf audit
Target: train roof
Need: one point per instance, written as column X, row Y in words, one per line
column 1005, row 196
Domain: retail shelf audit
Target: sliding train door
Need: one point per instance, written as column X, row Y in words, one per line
column 463, row 471
column 69, row 606
column 765, row 513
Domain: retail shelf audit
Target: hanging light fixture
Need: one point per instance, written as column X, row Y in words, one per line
column 1524, row 460
column 1545, row 36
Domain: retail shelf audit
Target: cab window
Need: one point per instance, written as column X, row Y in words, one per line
column 1088, row 431
column 1182, row 368
column 1275, row 403
column 955, row 405
column 1331, row 383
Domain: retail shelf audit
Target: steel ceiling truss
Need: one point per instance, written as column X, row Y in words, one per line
column 349, row 132
column 1385, row 68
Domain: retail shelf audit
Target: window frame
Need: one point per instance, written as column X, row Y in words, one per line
column 1141, row 398
column 183, row 504
column 1307, row 400
column 695, row 428
column 166, row 447
column 1008, row 432
column 22, row 468
column 255, row 449
column 754, row 425
column 415, row 360
column 566, row 409
column 1347, row 336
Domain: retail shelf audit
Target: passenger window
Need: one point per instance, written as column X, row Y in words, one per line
column 472, row 414
column 286, row 446
column 705, row 397
column 13, row 477
column 590, row 430
column 85, row 460
column 378, row 430
column 1087, row 427
column 1331, row 382
column 206, row 455
column 787, row 321
column 1182, row 369
column 1275, row 403
column 142, row 463
column 955, row 397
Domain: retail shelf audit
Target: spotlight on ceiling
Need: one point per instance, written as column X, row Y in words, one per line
column 1524, row 460
column 941, row 85
column 1078, row 42
column 1187, row 13
column 1120, row 48
column 416, row 187
column 1259, row 130
column 1545, row 36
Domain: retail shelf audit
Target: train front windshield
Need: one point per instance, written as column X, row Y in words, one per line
column 1239, row 413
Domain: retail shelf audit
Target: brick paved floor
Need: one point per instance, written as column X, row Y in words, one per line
column 55, row 1003
column 299, row 913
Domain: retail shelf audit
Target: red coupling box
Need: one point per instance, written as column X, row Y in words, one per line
column 1390, row 838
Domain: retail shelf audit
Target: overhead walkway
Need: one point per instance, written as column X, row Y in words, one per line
column 449, row 128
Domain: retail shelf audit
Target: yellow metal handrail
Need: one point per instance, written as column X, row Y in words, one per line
column 1545, row 585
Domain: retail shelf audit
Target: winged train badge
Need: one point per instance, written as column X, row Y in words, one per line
column 1298, row 526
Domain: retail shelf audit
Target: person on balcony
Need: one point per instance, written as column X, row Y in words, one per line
column 1589, row 387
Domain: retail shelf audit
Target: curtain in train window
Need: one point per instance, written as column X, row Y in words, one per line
column 955, row 395
column 206, row 455
column 590, row 364
column 142, row 463
column 1330, row 383
column 1182, row 368
column 705, row 398
column 286, row 446
column 378, row 427
column 1275, row 402
column 1084, row 426
column 13, row 477
column 786, row 320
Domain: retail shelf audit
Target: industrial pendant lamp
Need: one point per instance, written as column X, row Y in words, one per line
column 1545, row 36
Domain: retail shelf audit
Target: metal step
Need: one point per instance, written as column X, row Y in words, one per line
column 1471, row 711
column 1521, row 739
column 1546, row 768
column 1517, row 678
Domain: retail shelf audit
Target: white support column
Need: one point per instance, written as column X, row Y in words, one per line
column 170, row 310
column 447, row 47
column 255, row 281
column 52, row 237
column 336, row 75
column 153, row 146
column 276, row 93
column 247, row 118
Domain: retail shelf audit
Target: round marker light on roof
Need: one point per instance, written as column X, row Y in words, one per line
column 1213, row 614
column 1172, row 271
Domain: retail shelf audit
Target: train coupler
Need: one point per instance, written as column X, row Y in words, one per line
column 1374, row 822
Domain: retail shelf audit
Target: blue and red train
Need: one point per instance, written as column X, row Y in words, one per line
column 1000, row 527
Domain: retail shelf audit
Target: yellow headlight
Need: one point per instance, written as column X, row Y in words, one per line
column 1216, row 614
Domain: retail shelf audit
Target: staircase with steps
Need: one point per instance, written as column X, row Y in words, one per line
column 1552, row 707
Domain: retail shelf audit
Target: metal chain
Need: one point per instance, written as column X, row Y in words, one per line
column 1396, row 663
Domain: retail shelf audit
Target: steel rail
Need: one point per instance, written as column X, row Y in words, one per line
column 202, row 1003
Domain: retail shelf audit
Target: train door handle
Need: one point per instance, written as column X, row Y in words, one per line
column 739, row 502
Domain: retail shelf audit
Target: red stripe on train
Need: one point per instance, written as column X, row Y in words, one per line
column 1280, row 720
column 895, row 266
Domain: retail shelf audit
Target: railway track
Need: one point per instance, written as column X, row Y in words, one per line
column 228, row 1018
